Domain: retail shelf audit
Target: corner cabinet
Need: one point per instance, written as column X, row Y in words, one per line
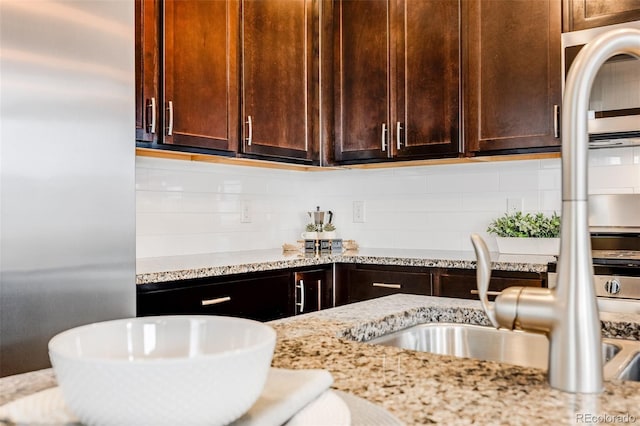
column 583, row 14
column 313, row 290
column 512, row 75
column 279, row 78
column 261, row 296
column 396, row 79
column 200, row 74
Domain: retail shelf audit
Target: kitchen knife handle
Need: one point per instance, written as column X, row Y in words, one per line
column 216, row 301
column 170, row 126
column 385, row 285
column 152, row 106
column 249, row 130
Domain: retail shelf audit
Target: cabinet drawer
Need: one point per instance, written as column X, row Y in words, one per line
column 263, row 299
column 364, row 284
column 462, row 283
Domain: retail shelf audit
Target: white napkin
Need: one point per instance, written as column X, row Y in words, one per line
column 286, row 392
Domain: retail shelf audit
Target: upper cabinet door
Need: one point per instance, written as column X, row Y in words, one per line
column 278, row 78
column 512, row 74
column 396, row 87
column 583, row 14
column 200, row 74
column 147, row 99
column 427, row 75
column 361, row 80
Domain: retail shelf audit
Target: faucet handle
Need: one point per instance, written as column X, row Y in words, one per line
column 483, row 275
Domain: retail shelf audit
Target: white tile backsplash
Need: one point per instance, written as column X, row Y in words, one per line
column 192, row 207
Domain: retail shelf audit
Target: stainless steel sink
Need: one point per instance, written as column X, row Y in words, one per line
column 631, row 371
column 509, row 347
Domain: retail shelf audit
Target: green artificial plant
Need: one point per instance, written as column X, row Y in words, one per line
column 526, row 225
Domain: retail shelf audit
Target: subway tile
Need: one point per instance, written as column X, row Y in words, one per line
column 186, row 207
column 519, row 180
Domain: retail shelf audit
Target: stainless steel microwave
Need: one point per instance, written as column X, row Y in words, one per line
column 614, row 104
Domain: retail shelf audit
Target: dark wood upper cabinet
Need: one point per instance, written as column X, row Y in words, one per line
column 146, row 62
column 361, row 79
column 279, row 78
column 201, row 100
column 396, row 68
column 512, row 74
column 583, row 14
column 426, row 71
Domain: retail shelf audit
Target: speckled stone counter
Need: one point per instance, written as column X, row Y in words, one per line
column 171, row 268
column 422, row 388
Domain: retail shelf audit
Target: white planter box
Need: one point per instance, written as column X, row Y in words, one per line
column 543, row 246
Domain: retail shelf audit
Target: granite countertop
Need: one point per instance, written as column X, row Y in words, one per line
column 171, row 268
column 421, row 388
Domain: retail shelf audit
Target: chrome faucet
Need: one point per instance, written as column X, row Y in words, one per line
column 567, row 314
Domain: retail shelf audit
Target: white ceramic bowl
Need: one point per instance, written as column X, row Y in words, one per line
column 177, row 370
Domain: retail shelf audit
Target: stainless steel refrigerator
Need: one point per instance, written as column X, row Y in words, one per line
column 67, row 171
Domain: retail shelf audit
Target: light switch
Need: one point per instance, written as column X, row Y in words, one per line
column 245, row 212
column 358, row 212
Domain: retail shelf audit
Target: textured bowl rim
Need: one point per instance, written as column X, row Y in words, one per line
column 267, row 341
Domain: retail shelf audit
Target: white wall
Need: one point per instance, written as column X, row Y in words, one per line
column 187, row 207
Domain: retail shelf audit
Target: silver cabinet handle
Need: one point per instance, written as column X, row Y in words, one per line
column 216, row 301
column 385, row 285
column 152, row 106
column 556, row 120
column 170, row 126
column 319, row 294
column 250, row 130
column 301, row 304
column 489, row 292
column 384, row 137
column 398, row 134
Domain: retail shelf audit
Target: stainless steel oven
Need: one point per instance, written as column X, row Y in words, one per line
column 614, row 222
column 614, row 104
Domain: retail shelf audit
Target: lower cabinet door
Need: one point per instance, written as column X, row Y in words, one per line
column 262, row 298
column 313, row 290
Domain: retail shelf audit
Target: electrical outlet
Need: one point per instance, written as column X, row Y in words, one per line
column 358, row 212
column 245, row 212
column 514, row 205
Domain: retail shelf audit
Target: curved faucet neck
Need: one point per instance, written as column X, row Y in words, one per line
column 568, row 314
